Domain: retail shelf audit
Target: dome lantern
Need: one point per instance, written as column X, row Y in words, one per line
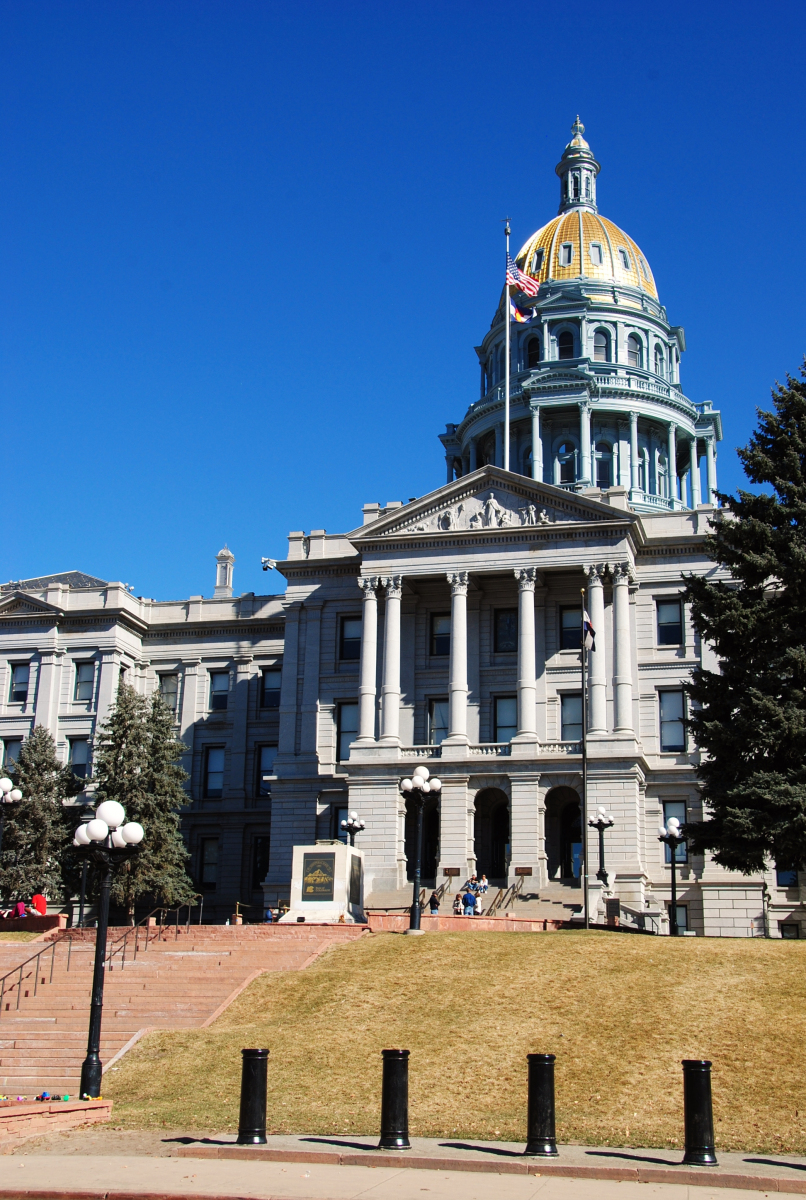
column 577, row 170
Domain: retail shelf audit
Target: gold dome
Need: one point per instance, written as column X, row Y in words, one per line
column 598, row 250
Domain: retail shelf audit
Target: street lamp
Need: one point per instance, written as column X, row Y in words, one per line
column 417, row 788
column 673, row 838
column 352, row 826
column 107, row 841
column 603, row 821
column 8, row 795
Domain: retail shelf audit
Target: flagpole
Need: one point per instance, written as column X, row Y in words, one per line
column 506, row 361
column 584, row 856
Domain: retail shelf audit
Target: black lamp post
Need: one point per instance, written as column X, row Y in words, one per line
column 603, row 821
column 8, row 795
column 673, row 838
column 352, row 826
column 417, row 788
column 107, row 841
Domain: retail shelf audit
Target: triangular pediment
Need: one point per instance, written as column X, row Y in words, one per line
column 20, row 604
column 491, row 499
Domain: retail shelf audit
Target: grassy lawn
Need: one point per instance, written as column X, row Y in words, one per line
column 25, row 935
column 620, row 1012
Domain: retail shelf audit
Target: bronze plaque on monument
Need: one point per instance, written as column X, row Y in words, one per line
column 318, row 871
column 355, row 880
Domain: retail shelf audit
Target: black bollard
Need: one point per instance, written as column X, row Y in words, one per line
column 252, row 1120
column 699, row 1115
column 540, row 1134
column 395, row 1101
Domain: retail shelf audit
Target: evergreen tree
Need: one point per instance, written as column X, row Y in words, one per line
column 38, row 829
column 750, row 716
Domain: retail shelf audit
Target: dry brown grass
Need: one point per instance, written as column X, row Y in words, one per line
column 619, row 1012
column 24, row 935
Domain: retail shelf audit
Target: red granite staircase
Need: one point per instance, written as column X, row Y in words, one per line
column 183, row 979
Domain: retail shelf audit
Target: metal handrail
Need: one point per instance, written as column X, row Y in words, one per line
column 121, row 943
column 505, row 898
column 66, row 935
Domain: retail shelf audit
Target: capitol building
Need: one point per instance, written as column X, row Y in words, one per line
column 445, row 631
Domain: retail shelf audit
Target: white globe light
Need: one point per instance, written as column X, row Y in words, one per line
column 423, row 772
column 353, row 816
column 82, row 837
column 600, row 811
column 97, row 830
column 76, row 842
column 406, row 785
column 344, row 824
column 362, row 824
column 133, row 833
column 661, row 831
column 118, row 839
column 5, row 784
column 15, row 794
column 111, row 813
column 424, row 786
column 435, row 784
column 673, row 824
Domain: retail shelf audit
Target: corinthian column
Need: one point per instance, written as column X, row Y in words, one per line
column 390, row 690
column 368, row 668
column 622, row 650
column 537, row 444
column 672, row 461
column 457, row 688
column 527, row 724
column 634, row 451
column 584, row 442
column 597, row 715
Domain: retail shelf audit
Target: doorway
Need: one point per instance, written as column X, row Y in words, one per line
column 564, row 836
column 491, row 835
column 428, row 867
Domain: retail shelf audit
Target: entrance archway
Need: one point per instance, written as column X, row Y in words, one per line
column 428, row 869
column 563, row 835
column 491, row 834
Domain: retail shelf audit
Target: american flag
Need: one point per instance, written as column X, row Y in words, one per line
column 588, row 633
column 516, row 276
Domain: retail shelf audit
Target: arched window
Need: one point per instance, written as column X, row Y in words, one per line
column 601, row 346
column 604, row 465
column 659, row 362
column 587, row 187
column 663, row 476
column 533, row 352
column 567, row 463
column 643, row 469
column 634, row 351
column 565, row 344
column 576, row 187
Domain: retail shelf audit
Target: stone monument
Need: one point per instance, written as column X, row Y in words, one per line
column 327, row 884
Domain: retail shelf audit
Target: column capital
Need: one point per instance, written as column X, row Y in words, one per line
column 623, row 572
column 393, row 585
column 534, row 404
column 458, row 582
column 673, row 427
column 585, row 406
column 368, row 584
column 527, row 578
column 595, row 572
column 633, row 417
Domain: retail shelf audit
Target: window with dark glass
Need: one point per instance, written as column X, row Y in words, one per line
column 260, row 860
column 437, row 721
column 634, row 351
column 672, row 721
column 625, row 259
column 659, row 361
column 85, row 680
column 20, row 674
column 80, row 757
column 670, row 623
column 571, row 717
column 537, row 260
column 604, row 465
column 350, row 638
column 347, row 729
column 567, row 458
column 208, row 864
column 576, row 186
column 270, row 688
column 506, row 718
column 505, row 630
column 565, row 344
column 11, row 752
column 169, row 690
column 675, row 808
column 440, row 633
column 339, row 814
column 570, row 628
column 219, row 690
column 533, row 352
column 682, row 917
column 601, row 346
column 785, row 878
column 214, row 772
column 265, row 769
column 789, row 929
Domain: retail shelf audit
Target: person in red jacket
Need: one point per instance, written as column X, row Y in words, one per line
column 39, row 905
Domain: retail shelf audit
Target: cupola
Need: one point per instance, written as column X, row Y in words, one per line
column 577, row 170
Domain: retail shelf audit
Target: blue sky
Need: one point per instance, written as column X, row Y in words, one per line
column 247, row 248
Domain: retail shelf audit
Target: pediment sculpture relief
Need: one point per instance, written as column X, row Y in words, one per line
column 489, row 510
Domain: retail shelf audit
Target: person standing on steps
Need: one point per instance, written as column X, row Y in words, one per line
column 433, row 905
column 457, row 904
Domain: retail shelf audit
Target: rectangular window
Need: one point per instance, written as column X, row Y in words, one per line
column 350, row 638
column 786, row 879
column 789, row 930
column 672, row 722
column 570, row 628
column 219, row 690
column 625, row 259
column 85, row 680
column 596, row 254
column 270, row 691
column 670, row 622
column 11, row 752
column 209, row 863
column 80, row 757
column 675, row 808
column 566, row 254
column 440, row 633
column 260, row 860
column 506, row 718
column 437, row 722
column 265, row 769
column 682, row 917
column 214, row 772
column 347, row 729
column 506, row 631
column 571, row 717
column 169, row 690
column 20, row 674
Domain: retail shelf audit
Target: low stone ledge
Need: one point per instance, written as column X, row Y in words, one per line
column 389, row 922
column 32, row 1119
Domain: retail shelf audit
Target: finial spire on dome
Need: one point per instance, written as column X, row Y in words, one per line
column 577, row 170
